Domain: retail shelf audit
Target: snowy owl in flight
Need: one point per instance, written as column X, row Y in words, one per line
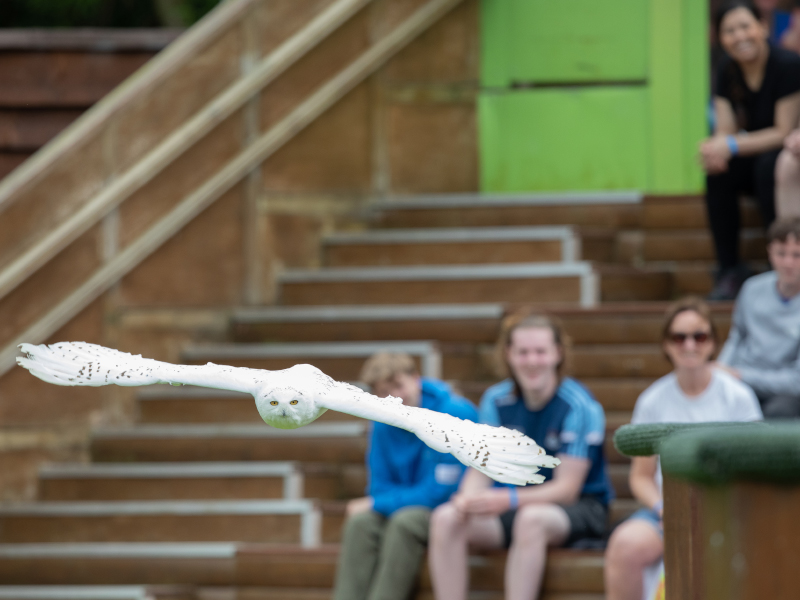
column 296, row 396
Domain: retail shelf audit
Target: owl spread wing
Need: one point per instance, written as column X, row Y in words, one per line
column 79, row 363
column 503, row 454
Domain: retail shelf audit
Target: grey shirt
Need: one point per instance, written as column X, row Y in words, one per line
column 764, row 342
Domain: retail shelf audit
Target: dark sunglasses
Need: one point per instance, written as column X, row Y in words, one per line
column 698, row 336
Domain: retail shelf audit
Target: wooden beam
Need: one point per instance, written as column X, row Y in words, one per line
column 196, row 202
column 177, row 143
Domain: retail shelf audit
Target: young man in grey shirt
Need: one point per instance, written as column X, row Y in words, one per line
column 763, row 347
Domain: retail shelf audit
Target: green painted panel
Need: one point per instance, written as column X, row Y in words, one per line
column 679, row 88
column 563, row 41
column 564, row 139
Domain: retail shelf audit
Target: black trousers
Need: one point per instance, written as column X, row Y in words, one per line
column 745, row 174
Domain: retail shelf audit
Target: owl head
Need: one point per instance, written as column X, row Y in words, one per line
column 288, row 402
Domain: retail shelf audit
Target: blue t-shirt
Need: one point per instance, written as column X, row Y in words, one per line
column 402, row 470
column 572, row 423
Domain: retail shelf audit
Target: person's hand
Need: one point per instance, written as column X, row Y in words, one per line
column 729, row 370
column 489, row 502
column 359, row 505
column 792, row 142
column 715, row 154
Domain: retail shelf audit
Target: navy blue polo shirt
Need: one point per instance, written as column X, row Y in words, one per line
column 571, row 423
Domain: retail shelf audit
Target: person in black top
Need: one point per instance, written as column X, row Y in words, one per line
column 757, row 104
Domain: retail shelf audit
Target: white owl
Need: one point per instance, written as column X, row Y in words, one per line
column 297, row 396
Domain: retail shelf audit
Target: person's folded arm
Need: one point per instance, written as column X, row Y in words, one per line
column 564, row 488
column 772, row 381
column 715, row 152
column 438, row 482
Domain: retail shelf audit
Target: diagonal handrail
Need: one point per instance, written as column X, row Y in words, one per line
column 193, row 204
column 216, row 111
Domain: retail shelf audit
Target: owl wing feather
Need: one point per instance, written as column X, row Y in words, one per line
column 80, row 363
column 503, row 454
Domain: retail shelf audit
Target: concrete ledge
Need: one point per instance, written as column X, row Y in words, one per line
column 120, row 550
column 75, row 592
column 169, row 470
column 87, row 39
column 315, row 430
column 481, row 200
column 455, row 234
column 400, row 312
column 438, row 273
column 428, row 352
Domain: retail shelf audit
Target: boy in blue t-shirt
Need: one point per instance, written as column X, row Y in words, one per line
column 572, row 503
column 386, row 532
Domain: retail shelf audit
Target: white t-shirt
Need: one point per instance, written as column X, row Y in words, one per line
column 725, row 399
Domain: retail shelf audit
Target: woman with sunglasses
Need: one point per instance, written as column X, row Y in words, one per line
column 695, row 391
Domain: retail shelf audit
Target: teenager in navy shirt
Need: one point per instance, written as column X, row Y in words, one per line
column 572, row 503
column 386, row 532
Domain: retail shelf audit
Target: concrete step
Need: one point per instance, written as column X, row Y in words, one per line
column 340, row 360
column 613, row 210
column 273, row 521
column 219, row 481
column 175, row 405
column 538, row 283
column 441, row 322
column 477, row 323
column 172, row 481
column 342, row 442
column 254, row 566
column 593, row 209
column 451, row 246
column 337, row 442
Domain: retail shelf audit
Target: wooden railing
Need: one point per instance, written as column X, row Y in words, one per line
column 93, row 202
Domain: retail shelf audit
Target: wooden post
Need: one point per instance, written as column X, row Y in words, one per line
column 739, row 541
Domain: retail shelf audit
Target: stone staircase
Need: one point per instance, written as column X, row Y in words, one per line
column 202, row 500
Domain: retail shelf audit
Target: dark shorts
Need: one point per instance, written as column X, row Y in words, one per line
column 587, row 519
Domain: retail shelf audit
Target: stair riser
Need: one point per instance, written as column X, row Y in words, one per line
column 464, row 253
column 582, row 329
column 563, row 574
column 117, row 571
column 283, row 529
column 539, row 291
column 329, row 450
column 457, row 330
column 344, row 485
column 337, row 451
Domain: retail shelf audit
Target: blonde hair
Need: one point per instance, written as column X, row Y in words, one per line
column 385, row 366
column 527, row 318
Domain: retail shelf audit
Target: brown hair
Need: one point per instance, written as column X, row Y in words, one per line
column 695, row 305
column 385, row 366
column 526, row 318
column 781, row 229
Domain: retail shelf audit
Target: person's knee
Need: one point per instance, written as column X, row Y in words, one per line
column 361, row 522
column 629, row 546
column 410, row 522
column 532, row 524
column 787, row 168
column 445, row 523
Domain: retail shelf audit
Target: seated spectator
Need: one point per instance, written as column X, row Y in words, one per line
column 386, row 532
column 694, row 392
column 572, row 503
column 757, row 104
column 763, row 347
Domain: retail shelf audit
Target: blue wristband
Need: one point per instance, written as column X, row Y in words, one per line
column 733, row 146
column 513, row 499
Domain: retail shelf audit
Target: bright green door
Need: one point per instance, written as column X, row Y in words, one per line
column 592, row 94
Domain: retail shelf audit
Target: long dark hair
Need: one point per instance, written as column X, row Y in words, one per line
column 732, row 74
column 733, row 5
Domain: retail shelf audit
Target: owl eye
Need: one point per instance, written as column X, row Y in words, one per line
column 293, row 402
column 274, row 403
